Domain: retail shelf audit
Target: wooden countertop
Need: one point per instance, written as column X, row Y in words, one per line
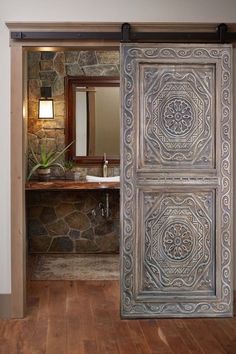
column 70, row 185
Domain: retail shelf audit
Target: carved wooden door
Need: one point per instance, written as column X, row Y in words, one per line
column 176, row 186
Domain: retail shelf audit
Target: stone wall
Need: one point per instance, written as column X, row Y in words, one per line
column 67, row 222
column 72, row 222
column 50, row 69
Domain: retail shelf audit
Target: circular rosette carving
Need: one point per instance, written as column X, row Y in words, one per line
column 178, row 116
column 178, row 241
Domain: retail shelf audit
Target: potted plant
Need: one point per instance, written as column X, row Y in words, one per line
column 46, row 160
column 70, row 170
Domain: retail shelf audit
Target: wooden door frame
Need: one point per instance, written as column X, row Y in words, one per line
column 18, row 145
column 18, row 130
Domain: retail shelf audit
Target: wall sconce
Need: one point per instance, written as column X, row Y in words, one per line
column 46, row 110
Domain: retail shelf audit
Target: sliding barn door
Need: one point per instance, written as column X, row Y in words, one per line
column 176, row 186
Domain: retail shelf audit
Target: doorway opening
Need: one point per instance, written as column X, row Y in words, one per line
column 72, row 224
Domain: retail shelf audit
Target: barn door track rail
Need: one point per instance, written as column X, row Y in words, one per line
column 126, row 34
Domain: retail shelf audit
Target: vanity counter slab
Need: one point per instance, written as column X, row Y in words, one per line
column 70, row 185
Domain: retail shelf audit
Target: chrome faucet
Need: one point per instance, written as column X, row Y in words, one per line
column 105, row 209
column 105, row 165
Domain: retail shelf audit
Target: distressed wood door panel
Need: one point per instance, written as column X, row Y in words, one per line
column 176, row 251
column 177, row 107
column 176, row 169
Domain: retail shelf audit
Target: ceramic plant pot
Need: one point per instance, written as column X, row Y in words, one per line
column 72, row 175
column 44, row 174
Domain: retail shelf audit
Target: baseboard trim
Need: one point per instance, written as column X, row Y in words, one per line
column 5, row 306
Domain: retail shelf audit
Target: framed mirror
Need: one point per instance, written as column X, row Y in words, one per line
column 93, row 118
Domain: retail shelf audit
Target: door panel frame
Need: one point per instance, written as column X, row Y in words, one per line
column 133, row 179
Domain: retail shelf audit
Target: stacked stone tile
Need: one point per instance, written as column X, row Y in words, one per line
column 63, row 222
column 72, row 222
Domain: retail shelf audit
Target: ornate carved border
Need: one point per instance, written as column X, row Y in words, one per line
column 130, row 57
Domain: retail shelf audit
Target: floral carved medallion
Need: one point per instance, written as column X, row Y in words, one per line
column 178, row 241
column 178, row 117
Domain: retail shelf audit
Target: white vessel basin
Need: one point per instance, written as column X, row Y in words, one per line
column 102, row 179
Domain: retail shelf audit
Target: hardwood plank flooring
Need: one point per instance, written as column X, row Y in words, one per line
column 82, row 317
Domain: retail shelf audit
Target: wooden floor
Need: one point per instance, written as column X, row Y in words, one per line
column 82, row 317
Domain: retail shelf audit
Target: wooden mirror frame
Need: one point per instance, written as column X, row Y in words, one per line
column 70, row 83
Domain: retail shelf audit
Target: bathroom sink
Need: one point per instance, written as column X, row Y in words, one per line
column 102, row 179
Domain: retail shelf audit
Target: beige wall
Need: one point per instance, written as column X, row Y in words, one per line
column 78, row 10
column 4, row 162
column 234, row 156
column 107, row 121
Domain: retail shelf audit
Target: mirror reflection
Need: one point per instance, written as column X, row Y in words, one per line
column 97, row 120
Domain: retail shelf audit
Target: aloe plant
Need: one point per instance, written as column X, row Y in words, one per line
column 69, row 165
column 47, row 159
